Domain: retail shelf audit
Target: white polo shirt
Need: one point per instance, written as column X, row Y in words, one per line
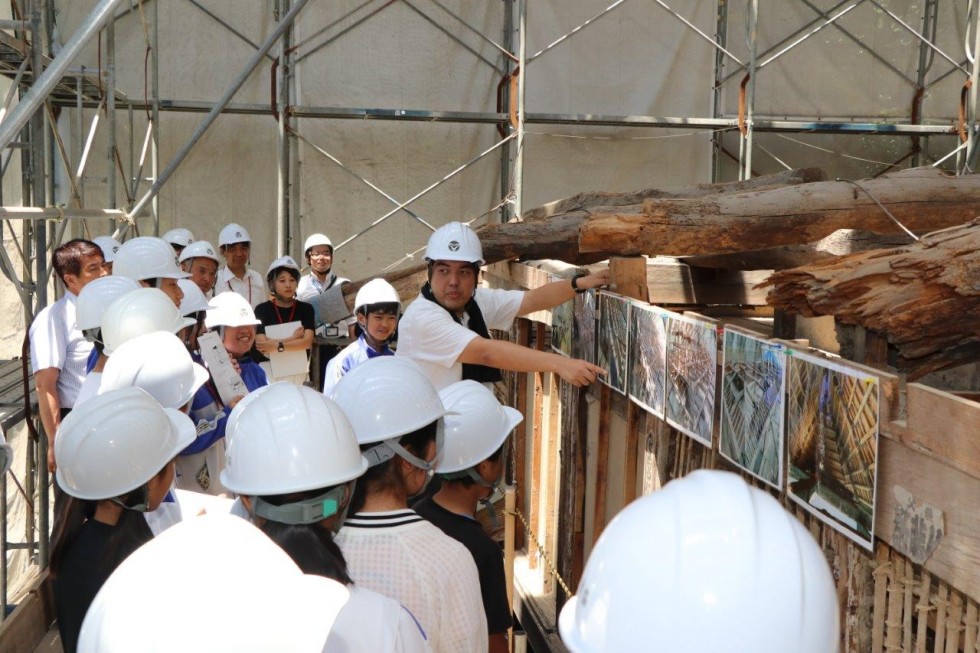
column 56, row 341
column 428, row 335
column 251, row 286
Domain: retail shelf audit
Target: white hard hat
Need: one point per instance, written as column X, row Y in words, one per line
column 257, row 598
column 116, row 442
column 314, row 240
column 454, row 241
column 708, row 563
column 97, row 296
column 140, row 311
column 147, row 258
column 229, row 309
column 287, row 438
column 159, row 363
column 376, row 291
column 233, row 233
column 109, row 247
column 478, row 426
column 283, row 262
column 388, row 397
column 194, row 300
column 199, row 249
column 179, row 236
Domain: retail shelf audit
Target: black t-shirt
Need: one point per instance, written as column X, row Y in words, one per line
column 486, row 553
column 268, row 313
column 85, row 569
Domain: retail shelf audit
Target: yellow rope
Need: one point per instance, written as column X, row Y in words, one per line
column 551, row 565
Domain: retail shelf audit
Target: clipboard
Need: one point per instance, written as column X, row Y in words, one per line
column 286, row 363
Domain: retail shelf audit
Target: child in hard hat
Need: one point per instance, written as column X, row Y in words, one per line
column 398, row 420
column 376, row 307
column 115, row 459
column 707, row 563
column 152, row 263
column 470, row 465
column 235, row 246
column 178, row 238
column 292, row 458
column 249, row 597
column 93, row 301
column 283, row 308
column 193, row 306
column 199, row 465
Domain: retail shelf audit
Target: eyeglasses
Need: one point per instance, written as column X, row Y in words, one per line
column 320, row 254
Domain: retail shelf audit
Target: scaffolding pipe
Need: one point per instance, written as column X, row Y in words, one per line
column 971, row 100
column 282, row 178
column 219, row 105
column 522, row 62
column 44, row 84
column 58, row 213
column 110, row 69
column 745, row 152
column 155, row 114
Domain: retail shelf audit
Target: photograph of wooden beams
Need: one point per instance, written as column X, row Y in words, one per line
column 583, row 338
column 692, row 354
column 561, row 328
column 832, row 439
column 752, row 405
column 611, row 354
column 648, row 357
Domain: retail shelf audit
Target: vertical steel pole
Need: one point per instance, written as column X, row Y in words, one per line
column 80, row 129
column 717, row 97
column 110, row 88
column 745, row 152
column 506, row 150
column 282, row 187
column 926, row 55
column 155, row 113
column 521, row 82
column 972, row 136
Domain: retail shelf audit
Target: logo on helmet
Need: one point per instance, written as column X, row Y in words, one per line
column 243, row 312
column 453, row 245
column 238, row 234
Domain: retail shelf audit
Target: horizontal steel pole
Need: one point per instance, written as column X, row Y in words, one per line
column 584, row 119
column 55, row 213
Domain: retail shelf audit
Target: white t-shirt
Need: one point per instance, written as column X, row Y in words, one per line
column 56, row 341
column 428, row 335
column 251, row 286
column 401, row 555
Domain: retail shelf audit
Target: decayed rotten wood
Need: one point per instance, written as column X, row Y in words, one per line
column 923, row 298
column 552, row 231
column 923, row 199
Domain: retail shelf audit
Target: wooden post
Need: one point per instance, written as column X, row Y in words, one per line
column 521, row 434
column 536, row 435
column 602, row 462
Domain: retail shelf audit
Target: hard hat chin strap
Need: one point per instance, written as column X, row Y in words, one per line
column 486, row 502
column 143, row 494
column 385, row 451
column 308, row 511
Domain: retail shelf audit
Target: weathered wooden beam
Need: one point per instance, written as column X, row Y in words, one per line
column 923, row 298
column 922, row 199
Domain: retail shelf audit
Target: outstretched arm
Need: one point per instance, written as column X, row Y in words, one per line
column 558, row 292
column 516, row 358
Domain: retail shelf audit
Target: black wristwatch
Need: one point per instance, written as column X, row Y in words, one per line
column 575, row 283
column 281, row 347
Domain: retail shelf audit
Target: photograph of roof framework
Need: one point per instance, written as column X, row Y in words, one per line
column 692, row 353
column 612, row 351
column 648, row 357
column 752, row 405
column 584, row 327
column 832, row 440
column 561, row 328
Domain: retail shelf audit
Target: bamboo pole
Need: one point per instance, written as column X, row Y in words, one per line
column 922, row 608
column 893, row 622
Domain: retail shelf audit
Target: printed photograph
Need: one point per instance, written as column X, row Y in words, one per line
column 648, row 357
column 832, row 441
column 752, row 403
column 561, row 328
column 613, row 340
column 584, row 326
column 692, row 353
